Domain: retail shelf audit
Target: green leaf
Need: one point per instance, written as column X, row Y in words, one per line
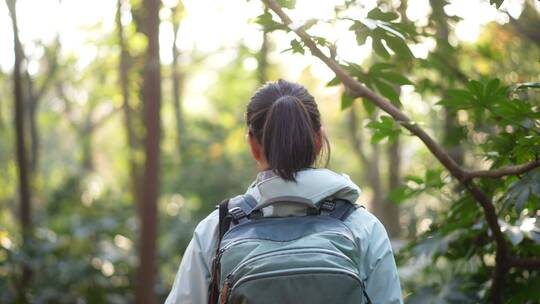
column 377, row 14
column 334, row 82
column 455, row 103
column 385, row 71
column 459, row 94
column 383, row 128
column 399, row 46
column 396, row 78
column 361, row 31
column 287, row 3
column 492, row 87
column 521, row 199
column 346, row 101
column 380, row 67
column 369, row 106
column 433, row 178
column 521, row 191
column 379, row 48
column 378, row 136
column 321, row 41
column 401, row 193
column 297, row 47
column 268, row 23
column 497, row 3
column 476, row 88
column 387, row 91
column 356, row 71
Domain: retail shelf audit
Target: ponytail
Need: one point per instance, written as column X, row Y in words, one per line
column 285, row 120
column 288, row 138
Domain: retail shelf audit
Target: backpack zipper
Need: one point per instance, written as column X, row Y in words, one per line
column 256, row 239
column 290, row 251
column 230, row 284
column 225, row 290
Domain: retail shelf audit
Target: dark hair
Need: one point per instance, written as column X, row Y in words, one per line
column 284, row 118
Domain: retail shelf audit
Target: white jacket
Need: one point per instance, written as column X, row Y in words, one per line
column 378, row 269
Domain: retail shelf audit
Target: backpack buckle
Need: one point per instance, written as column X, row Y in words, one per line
column 237, row 214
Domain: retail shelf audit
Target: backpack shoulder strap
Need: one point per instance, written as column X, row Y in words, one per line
column 230, row 210
column 234, row 210
column 224, row 221
column 223, row 226
column 338, row 208
column 341, row 209
column 241, row 207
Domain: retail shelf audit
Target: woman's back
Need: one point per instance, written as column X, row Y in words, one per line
column 377, row 270
column 286, row 137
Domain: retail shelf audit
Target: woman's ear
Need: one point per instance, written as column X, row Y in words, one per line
column 255, row 147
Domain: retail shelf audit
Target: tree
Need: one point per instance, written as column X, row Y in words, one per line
column 25, row 215
column 262, row 55
column 476, row 95
column 132, row 139
column 177, row 78
column 35, row 93
column 151, row 92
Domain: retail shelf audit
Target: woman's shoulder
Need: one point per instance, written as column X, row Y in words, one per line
column 365, row 225
column 206, row 233
column 207, row 224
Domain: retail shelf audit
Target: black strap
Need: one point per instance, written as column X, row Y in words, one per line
column 343, row 210
column 239, row 212
column 241, row 208
column 223, row 226
column 224, row 219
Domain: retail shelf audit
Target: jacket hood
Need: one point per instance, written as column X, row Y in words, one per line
column 312, row 186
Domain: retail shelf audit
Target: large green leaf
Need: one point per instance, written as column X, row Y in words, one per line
column 381, row 26
column 387, row 91
column 383, row 128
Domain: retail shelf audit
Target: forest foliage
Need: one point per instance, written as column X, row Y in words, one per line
column 445, row 144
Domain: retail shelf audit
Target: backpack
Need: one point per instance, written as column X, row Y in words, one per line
column 294, row 259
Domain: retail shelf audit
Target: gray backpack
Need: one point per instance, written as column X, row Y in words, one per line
column 295, row 259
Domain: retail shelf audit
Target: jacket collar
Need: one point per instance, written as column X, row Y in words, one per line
column 312, row 185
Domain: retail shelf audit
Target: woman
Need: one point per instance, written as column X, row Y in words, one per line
column 286, row 138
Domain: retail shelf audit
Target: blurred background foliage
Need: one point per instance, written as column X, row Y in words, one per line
column 466, row 71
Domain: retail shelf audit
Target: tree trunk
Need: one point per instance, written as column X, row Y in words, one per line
column 25, row 217
column 262, row 57
column 126, row 108
column 384, row 210
column 528, row 23
column 146, row 272
column 374, row 177
column 34, row 95
column 392, row 209
column 85, row 135
column 177, row 80
column 451, row 137
column 2, row 124
column 32, row 117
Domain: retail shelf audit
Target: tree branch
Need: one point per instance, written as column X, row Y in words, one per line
column 52, row 68
column 525, row 262
column 505, row 171
column 360, row 90
column 96, row 123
